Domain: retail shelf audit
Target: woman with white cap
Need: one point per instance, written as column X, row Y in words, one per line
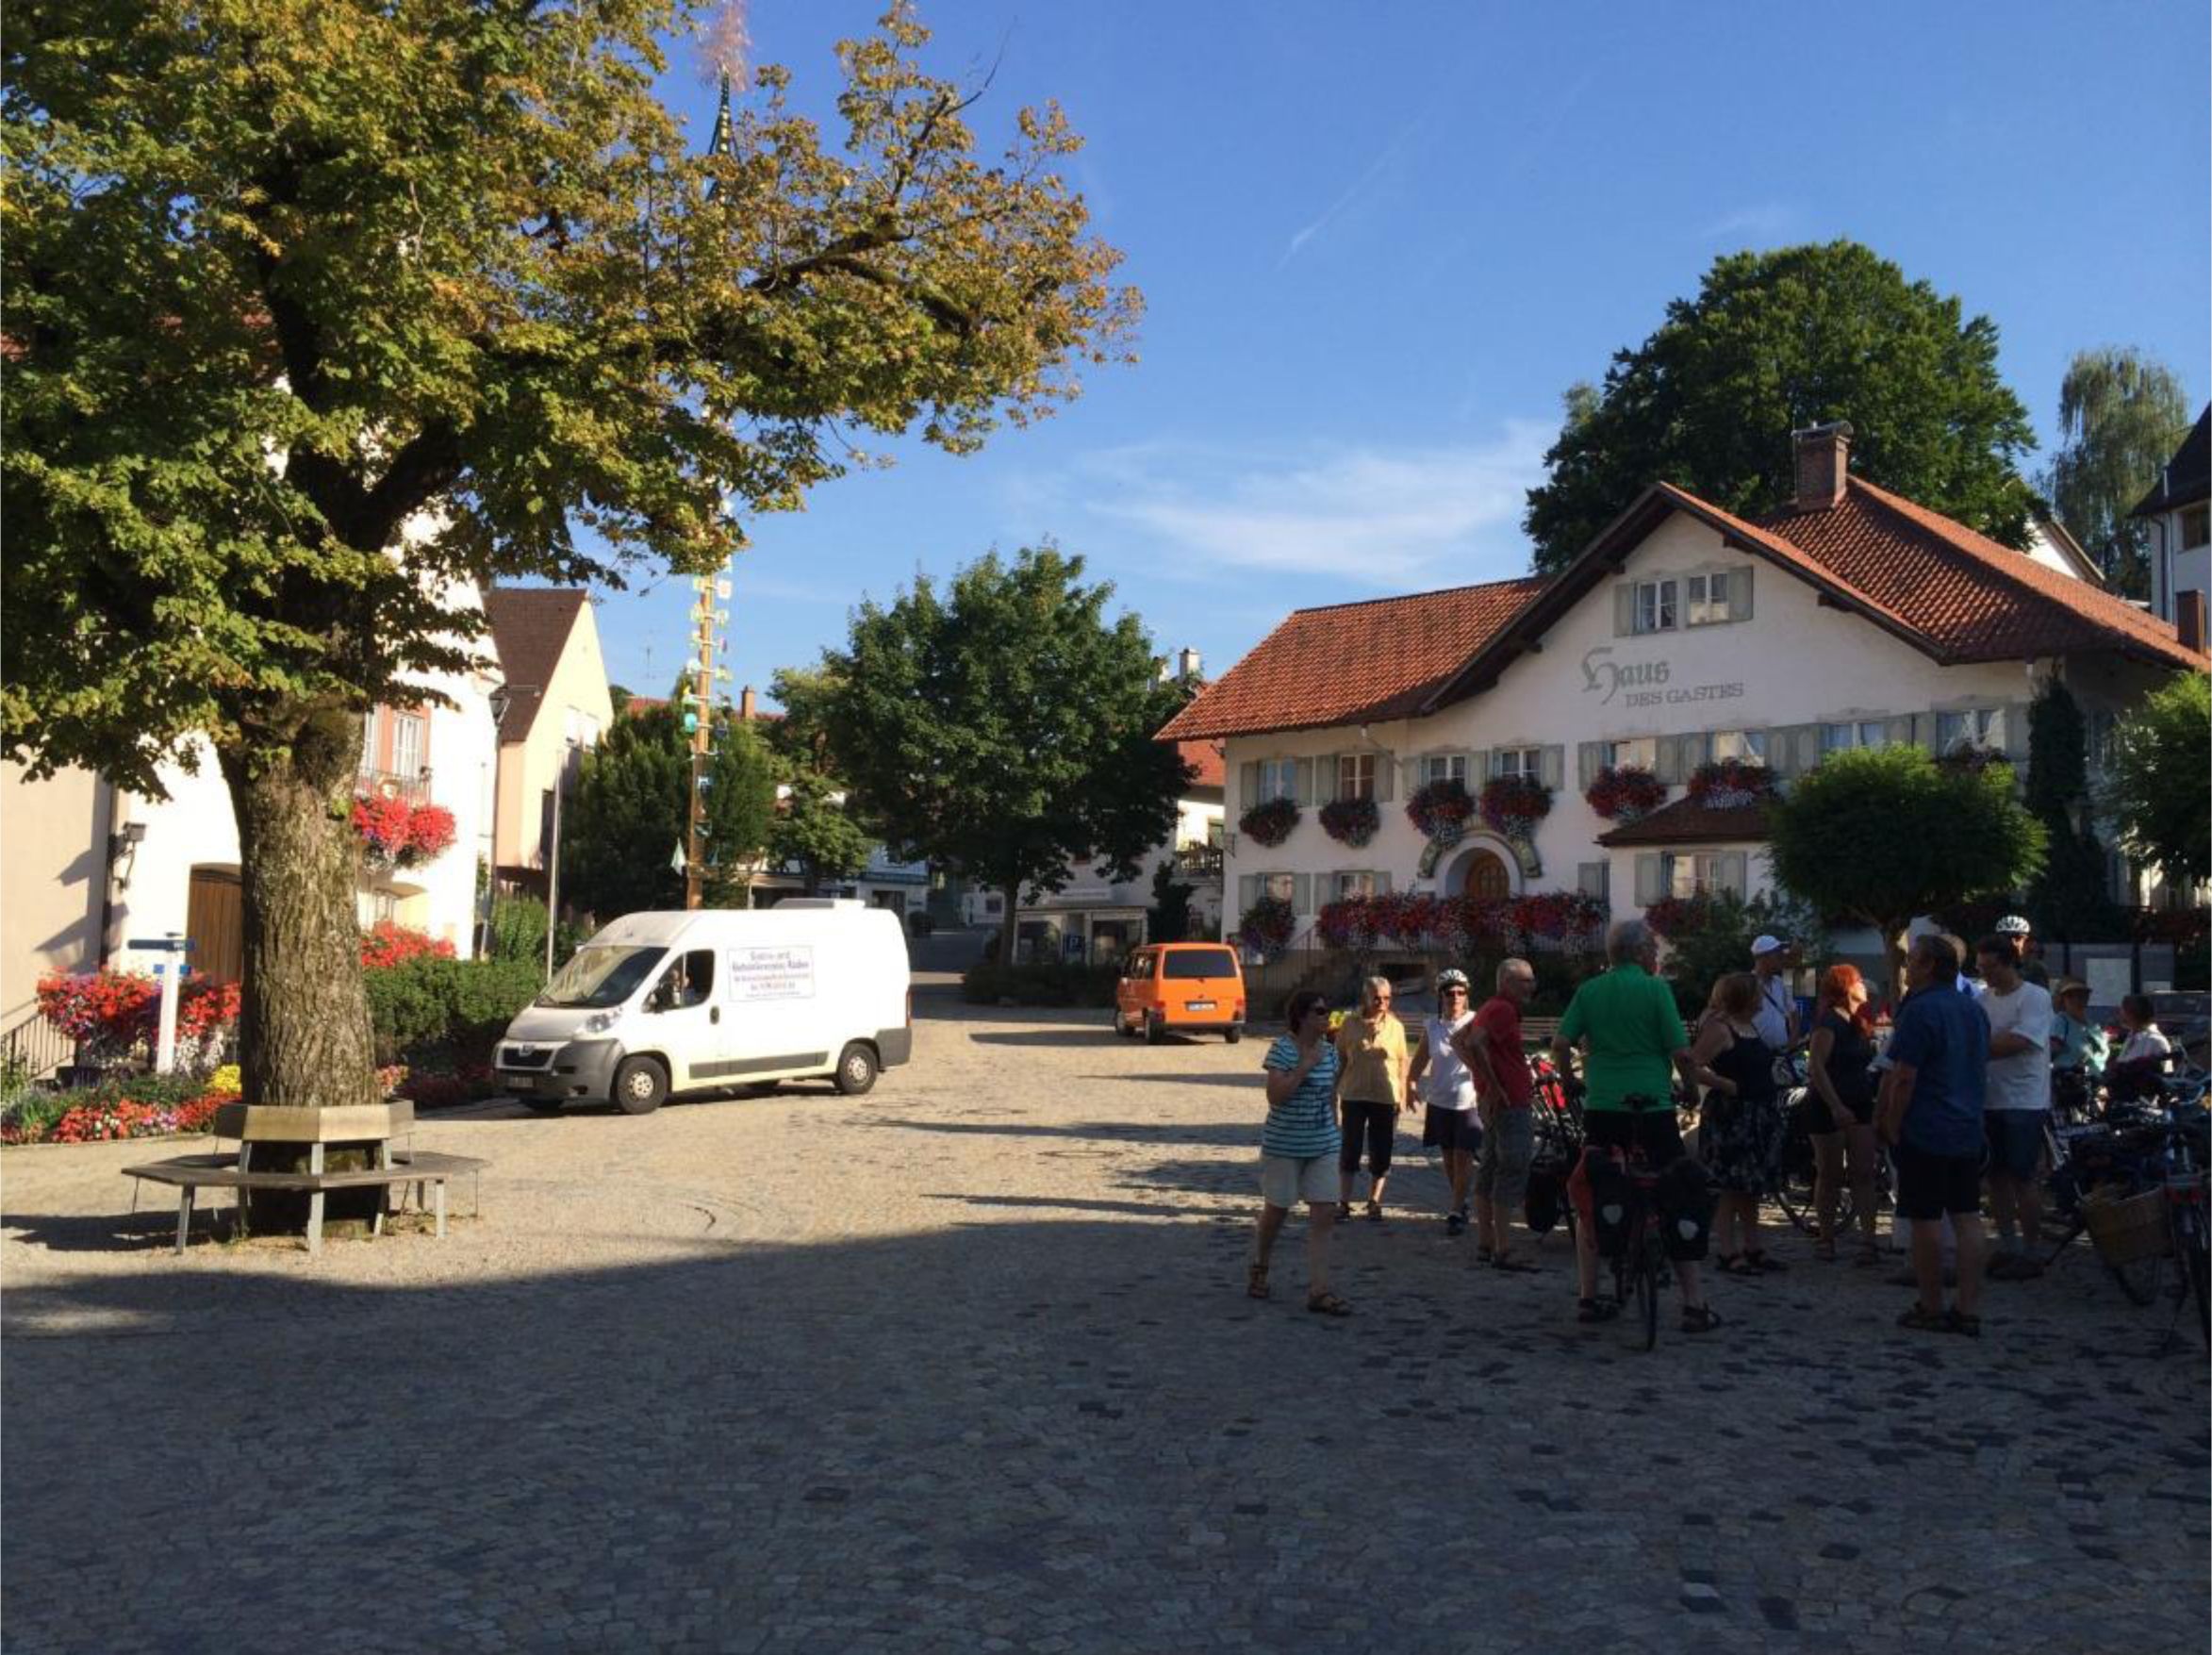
column 1447, row 1087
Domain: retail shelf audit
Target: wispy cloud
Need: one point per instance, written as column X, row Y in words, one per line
column 1359, row 186
column 1761, row 221
column 1379, row 518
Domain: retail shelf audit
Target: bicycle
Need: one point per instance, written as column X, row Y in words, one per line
column 1642, row 1269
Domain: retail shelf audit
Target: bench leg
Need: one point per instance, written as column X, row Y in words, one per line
column 439, row 1189
column 184, row 1216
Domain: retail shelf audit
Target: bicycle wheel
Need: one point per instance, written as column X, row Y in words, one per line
column 2139, row 1278
column 1645, row 1266
column 2189, row 1242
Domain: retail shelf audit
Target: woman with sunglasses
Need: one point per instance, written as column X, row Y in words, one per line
column 1297, row 1147
column 1446, row 1085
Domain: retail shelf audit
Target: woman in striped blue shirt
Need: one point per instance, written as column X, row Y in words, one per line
column 1299, row 1148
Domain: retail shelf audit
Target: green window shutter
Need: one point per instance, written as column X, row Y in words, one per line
column 1591, row 878
column 1247, row 786
column 1898, row 731
column 1477, row 770
column 1808, row 747
column 1381, row 884
column 1302, row 893
column 1923, row 730
column 1625, row 608
column 1739, row 593
column 1386, row 773
column 1587, row 754
column 1650, row 884
column 1782, row 750
column 2015, row 733
column 1248, row 892
column 1735, row 868
column 1551, row 764
column 1303, row 787
column 1409, row 777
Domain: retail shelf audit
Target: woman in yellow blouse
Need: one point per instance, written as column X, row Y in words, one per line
column 1371, row 1087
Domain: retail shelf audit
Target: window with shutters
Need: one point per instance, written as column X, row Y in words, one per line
column 1655, row 606
column 1518, row 761
column 1278, row 779
column 1844, row 734
column 406, row 745
column 1706, row 599
column 1973, row 727
column 2196, row 526
column 1444, row 766
column 1640, row 750
column 368, row 740
column 1594, row 879
column 1748, row 745
column 1687, row 873
column 1353, row 884
column 1355, row 775
column 1282, row 887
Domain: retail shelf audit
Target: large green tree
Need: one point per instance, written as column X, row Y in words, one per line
column 815, row 829
column 314, row 307
column 2067, row 898
column 1772, row 343
column 627, row 816
column 2120, row 416
column 1003, row 728
column 1885, row 834
column 2159, row 788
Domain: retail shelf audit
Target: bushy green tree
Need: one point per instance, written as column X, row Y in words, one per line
column 2120, row 416
column 2067, row 898
column 813, row 830
column 1717, row 940
column 287, row 278
column 1881, row 835
column 1170, row 918
column 627, row 816
column 2159, row 788
column 1003, row 728
column 1774, row 342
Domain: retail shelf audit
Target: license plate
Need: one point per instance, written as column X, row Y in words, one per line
column 522, row 1083
column 1198, row 1005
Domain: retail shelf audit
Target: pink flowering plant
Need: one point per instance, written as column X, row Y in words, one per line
column 1512, row 806
column 1350, row 821
column 1270, row 821
column 1441, row 810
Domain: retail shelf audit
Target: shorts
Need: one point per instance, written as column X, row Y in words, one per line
column 2016, row 1141
column 1821, row 1120
column 1930, row 1185
column 1502, row 1174
column 1656, row 1131
column 1451, row 1129
column 1377, row 1125
column 1287, row 1180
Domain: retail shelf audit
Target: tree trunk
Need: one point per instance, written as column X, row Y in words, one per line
column 305, row 1039
column 1007, row 931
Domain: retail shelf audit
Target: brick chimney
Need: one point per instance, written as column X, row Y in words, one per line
column 745, row 712
column 2188, row 621
column 1823, row 459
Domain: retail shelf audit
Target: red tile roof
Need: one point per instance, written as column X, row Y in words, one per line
column 1688, row 823
column 1204, row 758
column 1970, row 598
column 1352, row 663
column 531, row 626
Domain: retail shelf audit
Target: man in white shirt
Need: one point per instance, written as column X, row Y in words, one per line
column 2016, row 1105
column 1776, row 1021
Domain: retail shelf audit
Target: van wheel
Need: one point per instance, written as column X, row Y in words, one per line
column 856, row 1068
column 1155, row 1031
column 1123, row 1027
column 1236, row 1033
column 641, row 1085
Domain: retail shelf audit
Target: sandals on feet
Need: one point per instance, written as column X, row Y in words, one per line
column 1923, row 1320
column 1957, row 1321
column 1595, row 1310
column 1484, row 1256
column 1699, row 1319
column 1512, row 1266
column 1256, row 1282
column 1762, row 1263
column 1824, row 1248
column 1374, row 1212
column 1734, row 1264
column 1327, row 1304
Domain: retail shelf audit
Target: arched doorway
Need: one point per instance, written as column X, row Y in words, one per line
column 1480, row 871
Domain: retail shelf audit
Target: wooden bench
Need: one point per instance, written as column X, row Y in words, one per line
column 190, row 1174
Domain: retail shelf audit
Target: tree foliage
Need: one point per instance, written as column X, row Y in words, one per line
column 2159, row 788
column 316, row 307
column 1774, row 342
column 815, row 829
column 2067, row 898
column 1003, row 728
column 626, row 815
column 2120, row 416
column 1881, row 835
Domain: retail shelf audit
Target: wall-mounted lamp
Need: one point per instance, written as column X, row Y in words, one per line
column 123, row 848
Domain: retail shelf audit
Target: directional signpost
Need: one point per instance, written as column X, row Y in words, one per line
column 170, row 973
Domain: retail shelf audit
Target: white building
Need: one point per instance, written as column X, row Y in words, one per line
column 2180, row 514
column 1681, row 634
column 1094, row 916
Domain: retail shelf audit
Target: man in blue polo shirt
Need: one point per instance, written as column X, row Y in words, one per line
column 1931, row 1114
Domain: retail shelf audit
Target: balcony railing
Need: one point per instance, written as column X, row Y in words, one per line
column 374, row 783
column 1198, row 862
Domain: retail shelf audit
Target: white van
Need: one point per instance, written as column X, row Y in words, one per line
column 670, row 1004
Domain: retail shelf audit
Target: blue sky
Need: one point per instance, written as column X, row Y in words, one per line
column 1377, row 244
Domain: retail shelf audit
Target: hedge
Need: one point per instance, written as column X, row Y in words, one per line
column 428, row 1008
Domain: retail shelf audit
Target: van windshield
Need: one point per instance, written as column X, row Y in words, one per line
column 1201, row 962
column 600, row 977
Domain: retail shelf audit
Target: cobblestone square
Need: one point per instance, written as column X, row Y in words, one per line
column 967, row 1365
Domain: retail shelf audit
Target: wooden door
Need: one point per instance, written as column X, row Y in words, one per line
column 215, row 922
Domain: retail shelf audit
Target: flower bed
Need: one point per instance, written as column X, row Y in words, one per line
column 385, row 944
column 1730, row 784
column 1543, row 919
column 1512, row 806
column 1270, row 821
column 1268, row 925
column 143, row 1106
column 1626, row 794
column 1350, row 821
column 402, row 835
column 1441, row 810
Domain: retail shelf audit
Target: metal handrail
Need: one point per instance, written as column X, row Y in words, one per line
column 34, row 1048
column 415, row 790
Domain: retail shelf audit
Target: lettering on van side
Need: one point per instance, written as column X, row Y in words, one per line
column 772, row 974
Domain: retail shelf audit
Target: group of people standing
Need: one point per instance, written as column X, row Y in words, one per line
column 1961, row 1092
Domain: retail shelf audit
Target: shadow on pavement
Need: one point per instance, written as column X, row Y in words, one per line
column 1233, row 1135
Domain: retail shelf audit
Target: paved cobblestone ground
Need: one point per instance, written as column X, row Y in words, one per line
column 965, row 1364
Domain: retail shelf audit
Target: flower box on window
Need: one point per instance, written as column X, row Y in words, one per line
column 1350, row 821
column 1626, row 793
column 1512, row 806
column 1270, row 821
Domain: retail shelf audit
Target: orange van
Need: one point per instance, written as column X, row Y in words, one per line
column 1180, row 987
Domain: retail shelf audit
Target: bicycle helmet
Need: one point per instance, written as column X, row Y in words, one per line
column 1455, row 977
column 2013, row 925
